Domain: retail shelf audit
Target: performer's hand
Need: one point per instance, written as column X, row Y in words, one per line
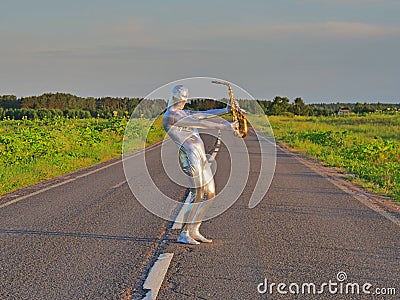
column 244, row 112
column 229, row 106
column 234, row 126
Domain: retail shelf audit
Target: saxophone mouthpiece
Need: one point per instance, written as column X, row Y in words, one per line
column 219, row 82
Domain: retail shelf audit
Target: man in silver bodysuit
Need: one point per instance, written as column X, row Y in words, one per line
column 182, row 126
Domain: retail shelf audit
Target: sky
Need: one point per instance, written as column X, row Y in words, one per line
column 320, row 50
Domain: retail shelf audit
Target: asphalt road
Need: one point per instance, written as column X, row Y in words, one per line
column 86, row 237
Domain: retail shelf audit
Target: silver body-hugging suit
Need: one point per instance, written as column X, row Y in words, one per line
column 182, row 127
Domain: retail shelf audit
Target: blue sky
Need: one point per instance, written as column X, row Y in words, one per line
column 321, row 50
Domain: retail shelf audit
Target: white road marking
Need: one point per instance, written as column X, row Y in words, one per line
column 119, row 184
column 156, row 275
column 370, row 203
column 179, row 218
column 75, row 178
column 216, row 150
column 364, row 199
column 36, row 193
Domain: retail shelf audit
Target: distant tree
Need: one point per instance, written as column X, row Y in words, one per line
column 266, row 105
column 299, row 107
column 9, row 101
column 280, row 105
column 360, row 108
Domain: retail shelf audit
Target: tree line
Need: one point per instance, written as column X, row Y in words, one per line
column 283, row 106
column 68, row 101
column 67, row 105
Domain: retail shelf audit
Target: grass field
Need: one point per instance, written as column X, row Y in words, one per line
column 366, row 146
column 35, row 150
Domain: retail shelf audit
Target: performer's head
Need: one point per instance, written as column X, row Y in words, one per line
column 179, row 96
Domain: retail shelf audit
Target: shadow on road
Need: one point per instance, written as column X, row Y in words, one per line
column 78, row 235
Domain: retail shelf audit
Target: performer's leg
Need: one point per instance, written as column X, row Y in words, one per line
column 193, row 167
column 184, row 234
column 209, row 193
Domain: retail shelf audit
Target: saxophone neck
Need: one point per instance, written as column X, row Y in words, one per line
column 231, row 95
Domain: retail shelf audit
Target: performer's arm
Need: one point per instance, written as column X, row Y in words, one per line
column 211, row 113
column 195, row 122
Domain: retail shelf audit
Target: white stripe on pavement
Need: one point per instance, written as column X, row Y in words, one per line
column 75, row 178
column 364, row 199
column 119, row 184
column 156, row 275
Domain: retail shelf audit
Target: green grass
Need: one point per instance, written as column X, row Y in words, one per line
column 156, row 132
column 34, row 150
column 366, row 146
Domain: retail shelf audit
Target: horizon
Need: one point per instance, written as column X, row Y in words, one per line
column 259, row 99
column 342, row 51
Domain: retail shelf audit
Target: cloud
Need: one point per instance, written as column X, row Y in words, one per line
column 130, row 26
column 329, row 30
column 141, row 38
column 336, row 2
column 143, row 33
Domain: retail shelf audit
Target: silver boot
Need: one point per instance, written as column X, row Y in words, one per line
column 195, row 233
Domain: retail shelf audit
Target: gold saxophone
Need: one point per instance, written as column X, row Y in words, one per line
column 237, row 114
